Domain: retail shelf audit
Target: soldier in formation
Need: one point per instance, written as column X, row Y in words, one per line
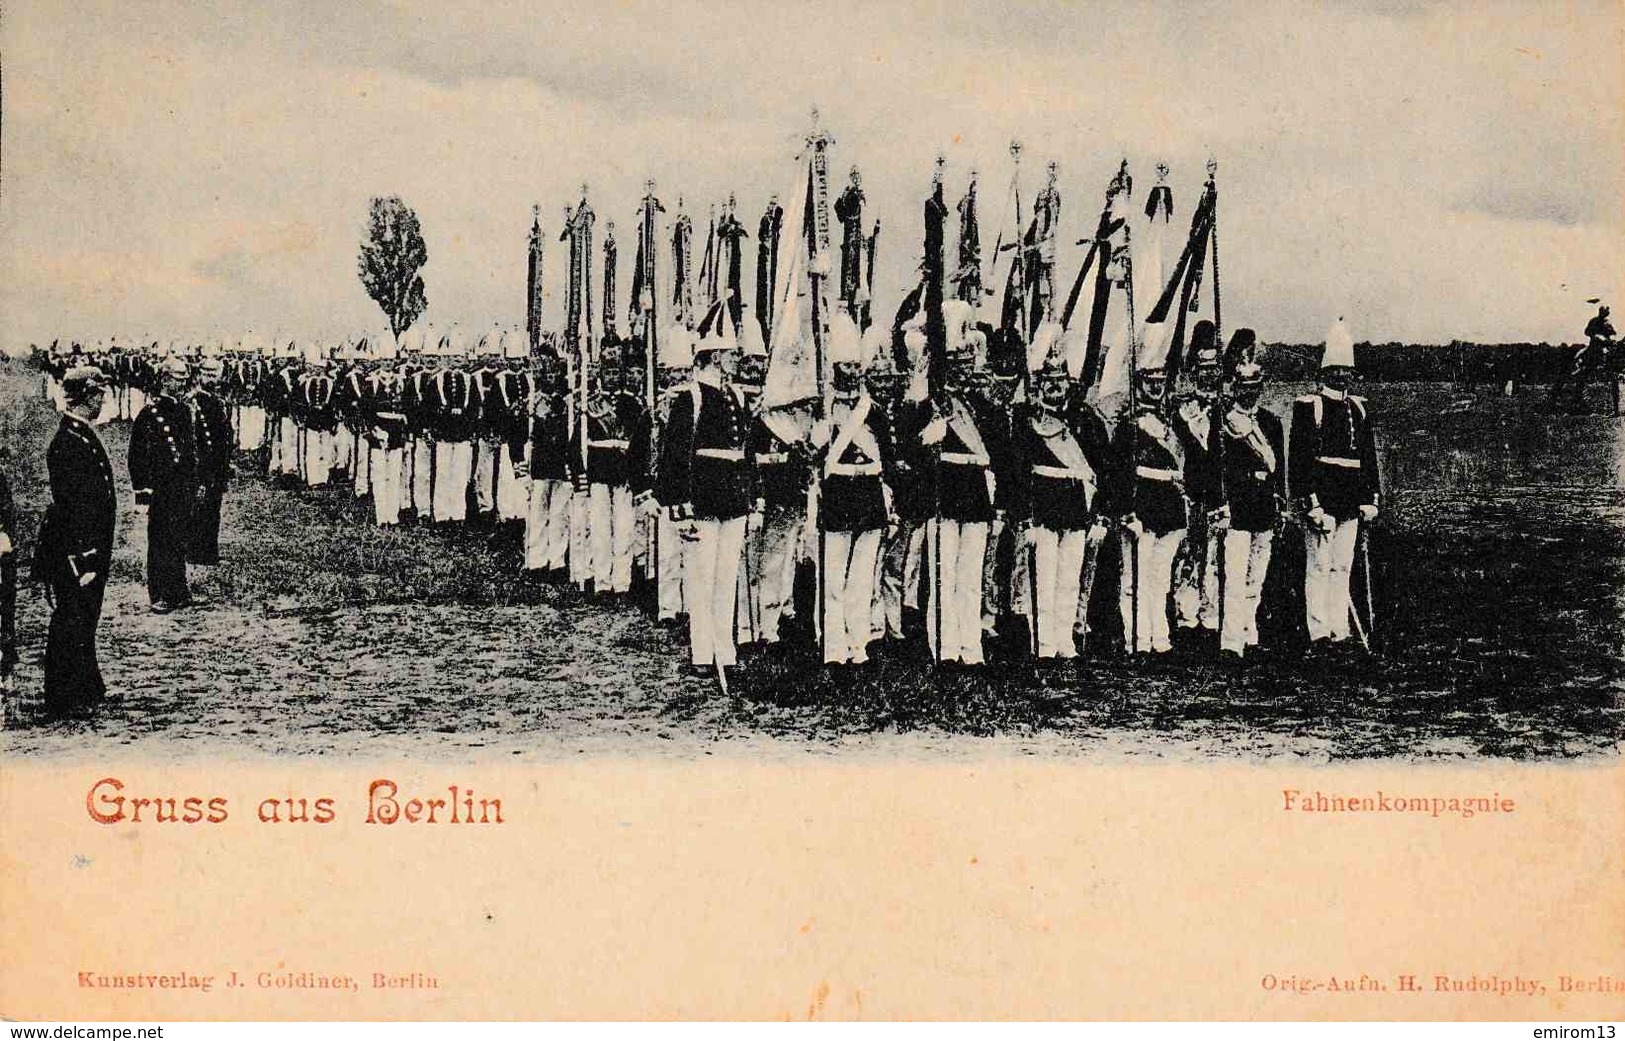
column 880, row 509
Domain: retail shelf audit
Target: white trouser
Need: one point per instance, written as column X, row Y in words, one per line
column 288, row 444
column 580, row 552
column 361, row 467
column 109, row 411
column 138, row 401
column 713, row 582
column 1196, row 601
column 513, row 484
column 318, row 457
column 900, row 574
column 1246, row 559
column 384, row 478
column 1326, row 578
column 955, row 628
column 547, row 524
column 485, row 475
column 1057, row 567
column 251, row 428
column 343, row 448
column 609, row 522
column 669, row 555
column 452, row 462
column 768, row 577
column 1148, row 574
column 849, row 593
column 421, row 491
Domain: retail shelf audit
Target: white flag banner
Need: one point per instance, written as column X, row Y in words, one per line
column 792, row 374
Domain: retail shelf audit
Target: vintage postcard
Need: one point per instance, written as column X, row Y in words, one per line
column 847, row 511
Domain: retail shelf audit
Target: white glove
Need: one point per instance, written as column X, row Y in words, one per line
column 1319, row 519
column 1132, row 524
column 934, row 431
column 87, row 578
column 1097, row 532
column 1368, row 512
column 5, row 543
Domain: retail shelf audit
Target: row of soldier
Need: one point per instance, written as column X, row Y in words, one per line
column 890, row 505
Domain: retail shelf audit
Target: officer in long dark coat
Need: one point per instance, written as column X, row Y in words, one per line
column 76, row 545
column 164, row 473
column 211, row 420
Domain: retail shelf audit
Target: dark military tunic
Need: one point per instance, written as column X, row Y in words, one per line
column 702, row 458
column 1333, row 461
column 961, row 478
column 550, row 439
column 451, row 407
column 854, row 493
column 1059, row 464
column 1254, row 454
column 76, row 539
column 1149, row 467
column 782, row 470
column 164, row 473
column 212, row 437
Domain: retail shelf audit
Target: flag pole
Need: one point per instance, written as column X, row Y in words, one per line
column 1133, row 405
column 1024, row 318
column 818, row 142
column 1216, row 425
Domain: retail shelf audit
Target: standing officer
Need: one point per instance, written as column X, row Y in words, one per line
column 515, row 390
column 1253, row 453
column 616, row 449
column 211, row 431
column 1196, row 586
column 547, row 523
column 1149, row 496
column 417, row 460
column 1332, row 475
column 76, row 545
column 705, row 477
column 453, row 414
column 966, row 435
column 667, row 548
column 1061, row 456
column 489, row 434
column 855, row 503
column 164, row 474
column 384, row 425
column 903, row 550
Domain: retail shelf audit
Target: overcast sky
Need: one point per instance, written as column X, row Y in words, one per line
column 204, row 168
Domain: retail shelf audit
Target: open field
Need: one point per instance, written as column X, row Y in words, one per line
column 1500, row 569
